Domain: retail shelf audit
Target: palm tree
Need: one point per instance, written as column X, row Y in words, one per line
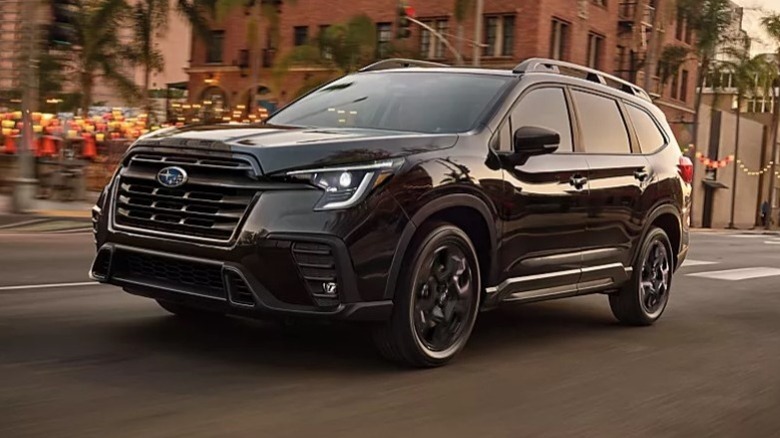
column 771, row 24
column 199, row 14
column 747, row 75
column 100, row 54
column 709, row 20
column 339, row 49
column 150, row 17
column 672, row 58
column 257, row 10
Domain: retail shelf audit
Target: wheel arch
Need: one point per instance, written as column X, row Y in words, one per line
column 668, row 218
column 468, row 212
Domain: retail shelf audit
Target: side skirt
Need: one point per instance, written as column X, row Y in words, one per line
column 558, row 284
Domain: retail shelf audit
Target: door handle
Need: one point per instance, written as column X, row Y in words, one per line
column 641, row 174
column 578, row 181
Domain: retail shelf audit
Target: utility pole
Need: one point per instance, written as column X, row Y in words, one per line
column 25, row 182
column 478, row 32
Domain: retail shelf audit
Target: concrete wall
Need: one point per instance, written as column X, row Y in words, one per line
column 747, row 186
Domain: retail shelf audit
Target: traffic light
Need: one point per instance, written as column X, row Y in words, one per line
column 62, row 31
column 404, row 13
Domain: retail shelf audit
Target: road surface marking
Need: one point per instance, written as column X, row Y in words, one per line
column 772, row 242
column 691, row 262
column 747, row 236
column 738, row 274
column 47, row 286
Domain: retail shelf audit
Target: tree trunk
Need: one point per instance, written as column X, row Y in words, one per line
column 700, row 75
column 652, row 46
column 479, row 7
column 734, row 170
column 256, row 54
column 460, row 39
column 87, row 82
column 773, row 159
column 147, row 99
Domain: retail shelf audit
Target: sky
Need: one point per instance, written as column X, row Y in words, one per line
column 754, row 10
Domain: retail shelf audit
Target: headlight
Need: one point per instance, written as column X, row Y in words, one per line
column 346, row 186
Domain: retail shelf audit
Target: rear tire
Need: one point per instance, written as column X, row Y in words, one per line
column 644, row 298
column 189, row 312
column 436, row 304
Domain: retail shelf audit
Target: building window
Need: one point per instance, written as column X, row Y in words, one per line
column 559, row 39
column 499, row 35
column 595, row 50
column 432, row 47
column 602, row 3
column 675, row 86
column 384, row 34
column 508, row 35
column 684, row 86
column 300, row 35
column 214, row 48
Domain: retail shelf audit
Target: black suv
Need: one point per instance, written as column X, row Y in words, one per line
column 411, row 196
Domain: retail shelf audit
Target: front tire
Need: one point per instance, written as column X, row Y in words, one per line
column 644, row 298
column 436, row 306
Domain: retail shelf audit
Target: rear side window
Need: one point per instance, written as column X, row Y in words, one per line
column 650, row 136
column 601, row 124
column 545, row 108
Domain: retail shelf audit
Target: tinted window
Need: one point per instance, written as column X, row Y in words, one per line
column 401, row 101
column 602, row 126
column 650, row 137
column 545, row 108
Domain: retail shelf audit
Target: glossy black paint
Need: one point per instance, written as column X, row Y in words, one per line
column 554, row 212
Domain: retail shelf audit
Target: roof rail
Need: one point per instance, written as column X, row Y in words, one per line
column 542, row 65
column 400, row 63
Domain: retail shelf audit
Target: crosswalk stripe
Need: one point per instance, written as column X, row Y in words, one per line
column 692, row 262
column 772, row 242
column 738, row 274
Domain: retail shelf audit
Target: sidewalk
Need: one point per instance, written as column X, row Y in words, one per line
column 47, row 214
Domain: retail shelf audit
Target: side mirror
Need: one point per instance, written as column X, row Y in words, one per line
column 529, row 141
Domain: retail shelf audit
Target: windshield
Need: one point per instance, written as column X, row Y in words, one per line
column 408, row 101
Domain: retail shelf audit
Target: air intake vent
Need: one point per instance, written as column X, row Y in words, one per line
column 238, row 290
column 192, row 276
column 102, row 264
column 318, row 268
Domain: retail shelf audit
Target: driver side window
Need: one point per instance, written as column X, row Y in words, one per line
column 542, row 107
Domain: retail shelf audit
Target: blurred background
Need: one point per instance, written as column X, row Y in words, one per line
column 80, row 80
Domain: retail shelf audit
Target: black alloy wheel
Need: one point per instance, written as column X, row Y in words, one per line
column 437, row 302
column 644, row 297
column 444, row 298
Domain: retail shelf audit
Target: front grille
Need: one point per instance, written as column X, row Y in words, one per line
column 317, row 267
column 191, row 276
column 209, row 205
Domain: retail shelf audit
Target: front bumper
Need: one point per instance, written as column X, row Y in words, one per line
column 280, row 263
column 222, row 286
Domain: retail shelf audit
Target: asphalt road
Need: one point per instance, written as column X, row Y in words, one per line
column 90, row 361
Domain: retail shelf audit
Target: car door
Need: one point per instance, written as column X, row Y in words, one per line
column 544, row 220
column 618, row 182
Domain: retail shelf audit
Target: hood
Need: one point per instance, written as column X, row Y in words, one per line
column 279, row 148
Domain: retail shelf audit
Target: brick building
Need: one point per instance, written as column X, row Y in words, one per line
column 604, row 34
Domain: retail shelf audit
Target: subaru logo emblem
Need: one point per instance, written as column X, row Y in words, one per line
column 172, row 176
